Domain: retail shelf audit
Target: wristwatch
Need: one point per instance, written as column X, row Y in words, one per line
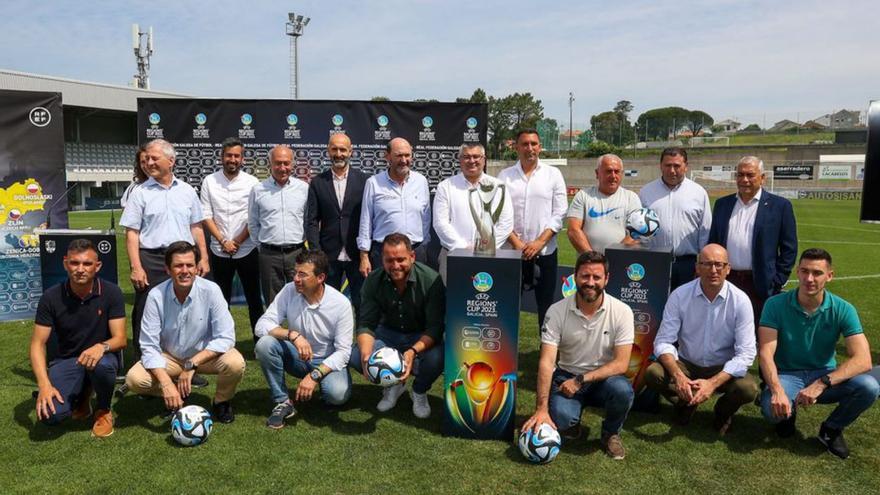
column 579, row 379
column 316, row 375
column 826, row 380
column 188, row 365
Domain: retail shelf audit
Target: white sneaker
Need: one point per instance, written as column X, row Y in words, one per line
column 421, row 408
column 390, row 396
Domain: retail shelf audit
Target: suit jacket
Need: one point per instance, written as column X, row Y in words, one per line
column 329, row 227
column 774, row 243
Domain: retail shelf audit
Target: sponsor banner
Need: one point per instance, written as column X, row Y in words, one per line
column 482, row 335
column 32, row 186
column 197, row 127
column 103, row 204
column 788, row 193
column 640, row 278
column 835, row 195
column 631, row 173
column 835, row 172
column 793, row 172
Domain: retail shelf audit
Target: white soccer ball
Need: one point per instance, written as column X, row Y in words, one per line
column 541, row 446
column 386, row 366
column 642, row 223
column 191, row 425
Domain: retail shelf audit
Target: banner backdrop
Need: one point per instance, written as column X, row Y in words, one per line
column 197, row 126
column 32, row 182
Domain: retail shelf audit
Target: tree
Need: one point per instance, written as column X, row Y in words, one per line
column 698, row 120
column 751, row 128
column 661, row 123
column 479, row 96
column 548, row 130
column 509, row 114
column 379, row 98
column 612, row 127
column 585, row 140
column 623, row 108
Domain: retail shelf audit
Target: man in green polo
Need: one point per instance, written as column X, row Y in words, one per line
column 797, row 339
column 403, row 306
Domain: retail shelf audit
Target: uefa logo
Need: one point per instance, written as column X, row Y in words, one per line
column 427, row 121
column 40, row 117
column 104, row 247
column 382, row 120
column 201, row 118
column 292, row 119
column 635, row 272
column 154, row 118
column 483, row 282
column 471, row 122
column 337, row 120
column 568, row 286
column 246, row 119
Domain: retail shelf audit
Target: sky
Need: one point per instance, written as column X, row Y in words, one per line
column 754, row 61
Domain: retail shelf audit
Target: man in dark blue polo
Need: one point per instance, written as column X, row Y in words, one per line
column 87, row 317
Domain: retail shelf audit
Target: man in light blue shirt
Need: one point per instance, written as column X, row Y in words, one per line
column 712, row 321
column 276, row 221
column 315, row 345
column 396, row 200
column 187, row 326
column 163, row 210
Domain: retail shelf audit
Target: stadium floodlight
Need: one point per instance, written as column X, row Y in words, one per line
column 294, row 28
column 142, row 43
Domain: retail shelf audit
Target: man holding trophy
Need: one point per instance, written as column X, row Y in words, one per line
column 470, row 208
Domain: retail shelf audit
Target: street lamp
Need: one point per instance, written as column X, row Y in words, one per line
column 294, row 29
column 570, row 124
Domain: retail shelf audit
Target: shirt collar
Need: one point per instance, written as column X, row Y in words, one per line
column 756, row 198
column 344, row 176
column 519, row 167
column 153, row 182
column 97, row 289
column 826, row 301
column 698, row 290
column 573, row 307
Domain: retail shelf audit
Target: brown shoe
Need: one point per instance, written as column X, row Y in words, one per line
column 84, row 409
column 613, row 446
column 722, row 424
column 103, row 426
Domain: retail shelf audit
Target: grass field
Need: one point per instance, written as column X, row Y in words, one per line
column 356, row 450
column 781, row 138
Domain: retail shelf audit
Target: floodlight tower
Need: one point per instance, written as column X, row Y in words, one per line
column 142, row 42
column 294, row 28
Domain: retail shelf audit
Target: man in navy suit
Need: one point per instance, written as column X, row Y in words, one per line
column 333, row 216
column 758, row 230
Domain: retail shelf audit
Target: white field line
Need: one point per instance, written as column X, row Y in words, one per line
column 840, row 242
column 838, row 228
column 852, row 277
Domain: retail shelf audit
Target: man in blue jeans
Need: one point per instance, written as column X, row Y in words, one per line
column 797, row 339
column 86, row 315
column 316, row 344
column 592, row 334
column 402, row 306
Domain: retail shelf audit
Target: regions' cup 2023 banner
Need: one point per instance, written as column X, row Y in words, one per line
column 32, row 181
column 197, row 126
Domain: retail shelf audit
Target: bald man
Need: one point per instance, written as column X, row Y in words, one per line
column 597, row 215
column 334, row 213
column 276, row 221
column 712, row 321
column 395, row 201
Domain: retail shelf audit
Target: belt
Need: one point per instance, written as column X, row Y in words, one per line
column 153, row 251
column 281, row 248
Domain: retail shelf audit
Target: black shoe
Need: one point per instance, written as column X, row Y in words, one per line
column 222, row 412
column 786, row 428
column 572, row 433
column 722, row 424
column 198, row 381
column 833, row 441
column 683, row 413
column 167, row 414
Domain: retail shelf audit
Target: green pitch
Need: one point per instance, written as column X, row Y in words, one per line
column 356, row 450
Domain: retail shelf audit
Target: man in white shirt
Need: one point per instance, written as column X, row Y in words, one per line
column 453, row 220
column 276, row 221
column 224, row 197
column 592, row 333
column 538, row 196
column 711, row 321
column 316, row 344
column 597, row 214
column 395, row 201
column 684, row 211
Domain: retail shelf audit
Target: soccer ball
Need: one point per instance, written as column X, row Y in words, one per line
column 386, row 366
column 542, row 446
column 191, row 425
column 642, row 223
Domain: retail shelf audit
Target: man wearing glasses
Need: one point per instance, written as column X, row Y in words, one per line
column 453, row 220
column 712, row 321
column 759, row 232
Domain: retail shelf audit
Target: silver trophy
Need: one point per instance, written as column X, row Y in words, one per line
column 484, row 217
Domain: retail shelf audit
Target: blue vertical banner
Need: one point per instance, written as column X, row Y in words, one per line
column 481, row 340
column 640, row 278
column 32, row 187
